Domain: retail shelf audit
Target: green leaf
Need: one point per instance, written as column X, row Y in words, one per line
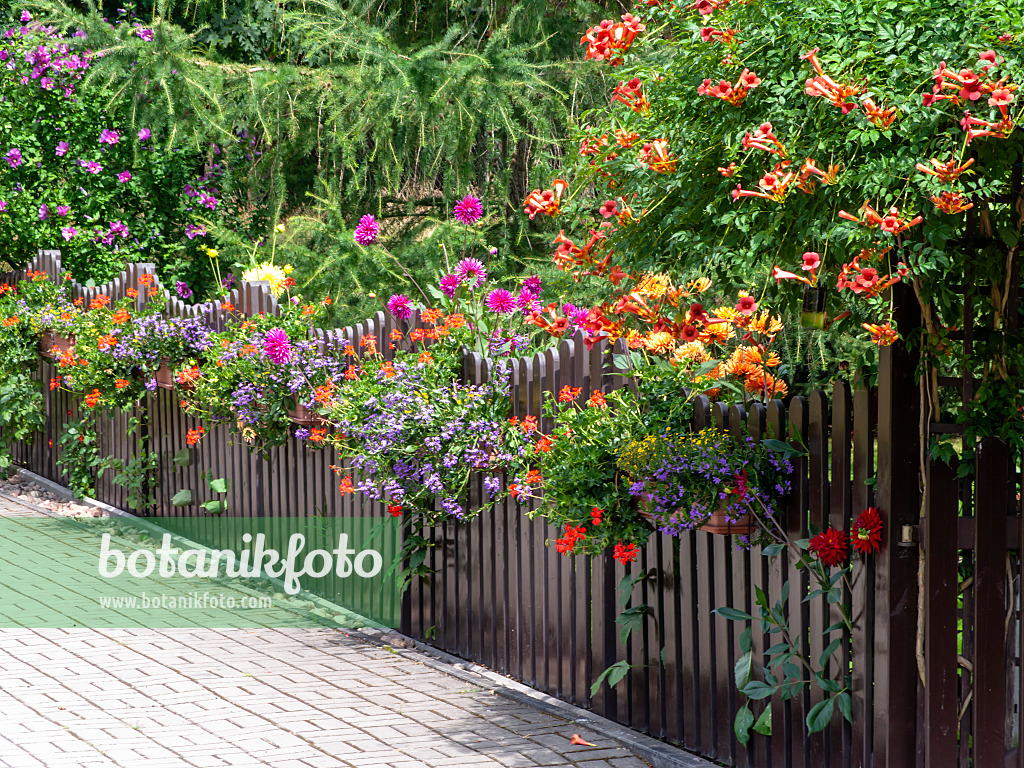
column 732, row 614
column 615, row 674
column 182, row 498
column 220, row 485
column 764, row 722
column 745, row 640
column 214, row 507
column 741, row 726
column 741, row 672
column 183, row 458
column 755, row 689
column 631, row 619
column 829, row 650
column 845, row 705
column 820, row 715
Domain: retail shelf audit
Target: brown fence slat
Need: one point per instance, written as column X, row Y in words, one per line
column 940, row 586
column 992, row 504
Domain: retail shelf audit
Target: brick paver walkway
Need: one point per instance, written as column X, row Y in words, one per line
column 307, row 697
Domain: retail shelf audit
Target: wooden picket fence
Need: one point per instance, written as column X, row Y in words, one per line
column 502, row 598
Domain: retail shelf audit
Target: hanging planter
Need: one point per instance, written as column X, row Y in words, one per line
column 812, row 315
column 302, row 416
column 164, row 375
column 50, row 340
column 718, row 523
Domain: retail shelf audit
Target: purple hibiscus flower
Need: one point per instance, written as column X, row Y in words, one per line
column 145, row 34
column 62, row 148
column 144, row 134
column 109, row 137
column 124, row 176
column 13, row 157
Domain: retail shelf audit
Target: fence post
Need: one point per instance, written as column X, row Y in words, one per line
column 898, row 498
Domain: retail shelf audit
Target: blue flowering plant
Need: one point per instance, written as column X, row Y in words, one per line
column 682, row 479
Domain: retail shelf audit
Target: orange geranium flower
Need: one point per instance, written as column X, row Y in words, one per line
column 131, row 293
column 93, row 398
column 193, row 436
column 121, row 316
column 567, row 393
column 9, row 321
column 121, row 383
column 145, row 279
column 346, row 486
column 99, row 302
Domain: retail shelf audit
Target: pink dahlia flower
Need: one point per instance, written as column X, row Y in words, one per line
column 277, row 347
column 367, row 230
column 468, row 210
column 400, row 306
column 501, row 301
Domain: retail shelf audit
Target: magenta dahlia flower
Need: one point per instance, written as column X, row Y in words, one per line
column 400, row 306
column 367, row 230
column 277, row 347
column 532, row 284
column 450, row 285
column 468, row 210
column 501, row 301
column 468, row 269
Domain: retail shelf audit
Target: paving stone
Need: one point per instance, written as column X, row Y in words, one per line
column 283, row 697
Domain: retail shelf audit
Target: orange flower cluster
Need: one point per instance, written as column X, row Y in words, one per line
column 776, row 184
column 892, row 222
column 882, row 335
column 946, row 172
column 546, row 201
column 9, row 321
column 121, row 383
column 93, row 398
column 324, row 394
column 106, row 343
column 951, row 202
column 865, row 281
column 567, row 394
column 587, row 260
column 729, row 93
column 193, row 436
column 631, row 94
column 121, row 316
column 99, row 302
column 826, row 88
column 726, row 36
column 657, row 156
column 189, row 375
column 609, row 40
column 882, row 118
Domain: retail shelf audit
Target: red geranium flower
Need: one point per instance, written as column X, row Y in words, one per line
column 625, row 553
column 867, row 532
column 830, row 546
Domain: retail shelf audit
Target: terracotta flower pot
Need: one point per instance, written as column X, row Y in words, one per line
column 718, row 523
column 49, row 340
column 164, row 375
column 302, row 416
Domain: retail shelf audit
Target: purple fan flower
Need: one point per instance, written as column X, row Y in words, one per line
column 400, row 306
column 228, row 281
column 124, row 176
column 62, row 148
column 301, row 433
column 532, row 284
column 468, row 210
column 109, row 137
column 68, row 233
column 501, row 301
column 277, row 347
column 13, row 157
column 367, row 230
column 470, row 268
column 144, row 134
column 44, row 212
column 63, row 210
column 145, row 34
column 450, row 285
column 183, row 290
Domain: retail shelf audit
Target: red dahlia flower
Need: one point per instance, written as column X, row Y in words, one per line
column 830, row 546
column 867, row 531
